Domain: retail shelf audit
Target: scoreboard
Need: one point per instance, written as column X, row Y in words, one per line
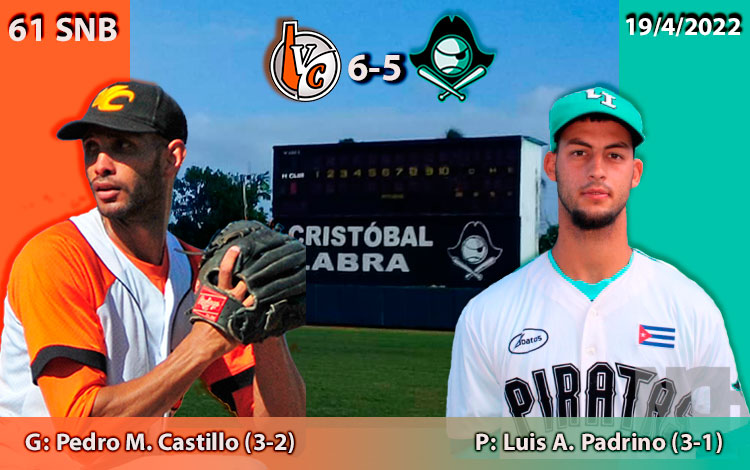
column 444, row 176
column 397, row 221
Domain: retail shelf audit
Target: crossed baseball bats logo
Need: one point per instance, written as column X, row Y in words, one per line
column 477, row 273
column 428, row 74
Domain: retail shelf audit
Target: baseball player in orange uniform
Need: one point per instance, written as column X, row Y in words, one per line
column 95, row 321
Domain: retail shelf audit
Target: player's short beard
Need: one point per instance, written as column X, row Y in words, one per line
column 585, row 221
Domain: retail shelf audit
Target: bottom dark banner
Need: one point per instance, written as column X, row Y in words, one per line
column 371, row 443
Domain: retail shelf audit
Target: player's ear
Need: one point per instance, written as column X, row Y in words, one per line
column 637, row 172
column 550, row 161
column 176, row 155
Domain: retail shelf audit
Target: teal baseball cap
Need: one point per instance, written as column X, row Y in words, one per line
column 594, row 100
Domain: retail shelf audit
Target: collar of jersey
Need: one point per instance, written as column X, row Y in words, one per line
column 591, row 291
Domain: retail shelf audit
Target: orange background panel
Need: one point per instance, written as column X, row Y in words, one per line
column 45, row 84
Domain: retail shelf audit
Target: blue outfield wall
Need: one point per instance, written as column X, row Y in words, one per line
column 434, row 308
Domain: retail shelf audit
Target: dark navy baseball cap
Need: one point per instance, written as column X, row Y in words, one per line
column 131, row 106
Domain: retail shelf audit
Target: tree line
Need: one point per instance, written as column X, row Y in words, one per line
column 206, row 200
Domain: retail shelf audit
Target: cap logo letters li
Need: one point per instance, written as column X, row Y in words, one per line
column 104, row 99
column 608, row 100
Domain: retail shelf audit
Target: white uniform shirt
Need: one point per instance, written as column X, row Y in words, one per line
column 534, row 345
column 139, row 325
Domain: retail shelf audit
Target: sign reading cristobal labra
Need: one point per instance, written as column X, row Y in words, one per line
column 448, row 251
column 449, row 213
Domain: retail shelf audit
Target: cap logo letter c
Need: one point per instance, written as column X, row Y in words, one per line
column 104, row 99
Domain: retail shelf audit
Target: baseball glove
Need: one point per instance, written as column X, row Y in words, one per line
column 271, row 264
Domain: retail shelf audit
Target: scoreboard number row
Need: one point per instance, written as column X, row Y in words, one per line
column 412, row 171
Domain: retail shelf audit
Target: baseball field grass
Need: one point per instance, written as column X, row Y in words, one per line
column 360, row 372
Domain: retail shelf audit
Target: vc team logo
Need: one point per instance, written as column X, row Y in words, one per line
column 451, row 59
column 474, row 251
column 305, row 65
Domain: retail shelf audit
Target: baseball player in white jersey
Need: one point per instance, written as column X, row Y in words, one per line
column 593, row 327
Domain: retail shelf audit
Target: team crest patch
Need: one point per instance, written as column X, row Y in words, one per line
column 658, row 336
column 209, row 304
column 530, row 339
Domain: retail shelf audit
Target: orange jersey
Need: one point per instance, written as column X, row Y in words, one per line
column 81, row 315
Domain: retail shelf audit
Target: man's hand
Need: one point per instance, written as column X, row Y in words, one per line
column 271, row 268
column 239, row 291
column 211, row 337
column 278, row 388
column 154, row 393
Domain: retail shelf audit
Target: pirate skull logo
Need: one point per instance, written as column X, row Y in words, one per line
column 451, row 59
column 474, row 251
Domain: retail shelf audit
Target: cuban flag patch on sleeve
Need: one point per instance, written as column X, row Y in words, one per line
column 658, row 336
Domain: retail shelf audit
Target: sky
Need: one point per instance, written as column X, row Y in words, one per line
column 210, row 56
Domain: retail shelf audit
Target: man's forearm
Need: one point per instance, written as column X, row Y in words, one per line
column 278, row 381
column 157, row 391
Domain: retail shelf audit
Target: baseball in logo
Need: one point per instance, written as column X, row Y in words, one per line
column 452, row 60
column 305, row 65
column 474, row 251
